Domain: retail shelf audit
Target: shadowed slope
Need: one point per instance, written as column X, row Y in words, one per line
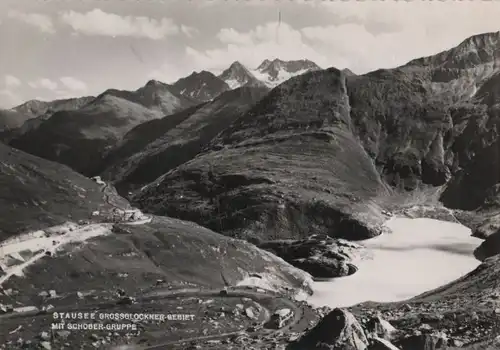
column 36, row 193
column 162, row 145
column 288, row 167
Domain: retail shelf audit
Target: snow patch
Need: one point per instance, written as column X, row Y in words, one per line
column 98, row 180
column 41, row 243
column 419, row 255
column 23, row 309
column 283, row 75
column 233, row 83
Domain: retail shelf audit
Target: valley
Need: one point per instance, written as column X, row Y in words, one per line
column 283, row 206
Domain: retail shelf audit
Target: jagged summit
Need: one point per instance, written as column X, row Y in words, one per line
column 202, row 86
column 348, row 72
column 274, row 72
column 237, row 65
column 264, row 64
column 155, row 83
column 237, row 75
column 201, row 74
column 268, row 73
column 471, row 52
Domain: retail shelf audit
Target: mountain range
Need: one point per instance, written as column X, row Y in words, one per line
column 279, row 153
column 53, row 129
column 197, row 87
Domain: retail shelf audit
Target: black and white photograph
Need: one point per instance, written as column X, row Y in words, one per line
column 249, row 175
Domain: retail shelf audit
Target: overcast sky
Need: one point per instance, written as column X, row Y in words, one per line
column 63, row 48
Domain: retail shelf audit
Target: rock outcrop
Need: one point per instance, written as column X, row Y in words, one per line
column 488, row 248
column 321, row 256
column 428, row 341
column 339, row 330
column 380, row 328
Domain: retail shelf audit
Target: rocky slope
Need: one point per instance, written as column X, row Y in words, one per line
column 155, row 147
column 80, row 137
column 135, row 257
column 158, row 98
column 30, row 114
column 448, row 131
column 203, row 86
column 275, row 72
column 423, row 124
column 37, row 108
column 262, row 175
column 237, row 75
column 36, row 193
column 155, row 95
column 119, row 260
column 11, row 119
column 268, row 73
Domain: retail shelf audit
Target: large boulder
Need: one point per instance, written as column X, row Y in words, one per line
column 339, row 330
column 425, row 341
column 489, row 247
column 380, row 328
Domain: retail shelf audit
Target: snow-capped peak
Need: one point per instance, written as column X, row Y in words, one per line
column 237, row 75
column 273, row 73
column 268, row 73
column 263, row 65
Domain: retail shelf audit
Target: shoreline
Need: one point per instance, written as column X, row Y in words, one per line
column 410, row 252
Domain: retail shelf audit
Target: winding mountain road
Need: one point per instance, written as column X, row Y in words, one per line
column 82, row 233
column 163, row 294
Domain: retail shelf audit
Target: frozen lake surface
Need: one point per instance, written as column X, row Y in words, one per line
column 419, row 255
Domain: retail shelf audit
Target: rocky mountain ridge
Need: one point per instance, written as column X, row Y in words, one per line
column 238, row 75
column 30, row 114
column 206, row 86
column 326, row 153
column 412, row 135
column 154, row 148
column 78, row 122
column 268, row 73
column 79, row 137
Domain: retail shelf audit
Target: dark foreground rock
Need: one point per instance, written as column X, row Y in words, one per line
column 488, row 248
column 424, row 342
column 382, row 344
column 462, row 314
column 339, row 330
column 319, row 255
